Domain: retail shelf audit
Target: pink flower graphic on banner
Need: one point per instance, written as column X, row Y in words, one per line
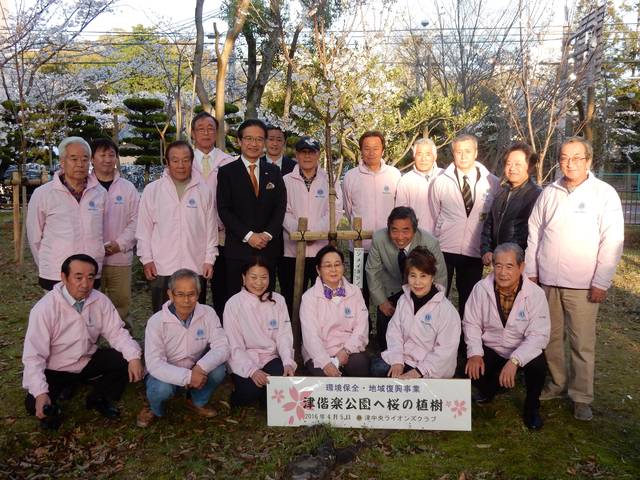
column 299, row 403
column 458, row 408
column 278, row 395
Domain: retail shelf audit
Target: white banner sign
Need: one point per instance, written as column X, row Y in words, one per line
column 358, row 267
column 369, row 403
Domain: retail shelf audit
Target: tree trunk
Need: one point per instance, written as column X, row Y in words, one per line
column 203, row 97
column 288, row 91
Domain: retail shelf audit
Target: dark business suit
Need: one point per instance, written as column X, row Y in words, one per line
column 241, row 212
column 288, row 165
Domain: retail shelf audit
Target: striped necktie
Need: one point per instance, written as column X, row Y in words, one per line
column 254, row 179
column 466, row 195
column 206, row 166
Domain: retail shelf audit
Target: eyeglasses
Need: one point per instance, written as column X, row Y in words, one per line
column 203, row 131
column 253, row 139
column 330, row 266
column 183, row 295
column 566, row 160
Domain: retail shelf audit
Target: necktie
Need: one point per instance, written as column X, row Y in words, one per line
column 254, row 179
column 78, row 306
column 466, row 195
column 402, row 259
column 206, row 166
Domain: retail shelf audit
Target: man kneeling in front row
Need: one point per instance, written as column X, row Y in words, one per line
column 506, row 327
column 175, row 342
column 60, row 348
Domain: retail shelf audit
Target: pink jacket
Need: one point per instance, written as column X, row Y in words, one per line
column 220, row 158
column 171, row 350
column 413, row 191
column 370, row 196
column 176, row 233
column 456, row 232
column 258, row 332
column 527, row 329
column 427, row 340
column 330, row 325
column 575, row 239
column 59, row 338
column 313, row 204
column 58, row 226
column 120, row 219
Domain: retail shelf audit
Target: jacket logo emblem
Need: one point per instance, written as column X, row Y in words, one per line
column 200, row 333
column 92, row 205
column 119, row 200
column 192, row 203
column 347, row 311
column 521, row 315
column 427, row 317
column 581, row 206
column 386, row 189
column 320, row 192
column 273, row 324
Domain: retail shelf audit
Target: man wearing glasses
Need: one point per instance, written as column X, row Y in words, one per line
column 252, row 200
column 576, row 230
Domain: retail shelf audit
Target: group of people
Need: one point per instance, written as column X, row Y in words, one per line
column 221, row 221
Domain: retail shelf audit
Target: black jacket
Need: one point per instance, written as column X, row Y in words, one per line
column 509, row 216
column 241, row 211
column 288, row 164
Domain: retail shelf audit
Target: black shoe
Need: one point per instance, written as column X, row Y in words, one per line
column 480, row 398
column 532, row 419
column 67, row 393
column 53, row 418
column 104, row 406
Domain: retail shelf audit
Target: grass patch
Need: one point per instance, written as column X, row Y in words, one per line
column 238, row 444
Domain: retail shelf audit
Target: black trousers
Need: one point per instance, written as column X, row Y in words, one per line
column 219, row 283
column 468, row 272
column 382, row 322
column 357, row 366
column 287, row 275
column 234, row 274
column 534, row 375
column 365, row 284
column 159, row 295
column 107, row 372
column 49, row 284
column 246, row 392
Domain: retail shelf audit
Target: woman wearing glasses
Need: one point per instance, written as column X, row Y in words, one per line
column 334, row 321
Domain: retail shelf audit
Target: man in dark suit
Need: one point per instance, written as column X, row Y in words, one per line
column 385, row 264
column 275, row 146
column 252, row 200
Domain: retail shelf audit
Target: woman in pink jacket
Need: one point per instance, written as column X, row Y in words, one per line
column 257, row 324
column 334, row 321
column 424, row 333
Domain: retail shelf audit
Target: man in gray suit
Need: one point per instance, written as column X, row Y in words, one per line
column 385, row 265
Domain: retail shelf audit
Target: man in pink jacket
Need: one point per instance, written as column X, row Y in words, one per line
column 207, row 160
column 413, row 187
column 460, row 200
column 369, row 191
column 307, row 196
column 65, row 216
column 60, row 349
column 177, row 225
column 506, row 327
column 576, row 232
column 185, row 347
column 120, row 219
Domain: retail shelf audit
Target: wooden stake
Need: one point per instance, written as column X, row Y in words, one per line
column 23, row 227
column 16, row 181
column 301, row 249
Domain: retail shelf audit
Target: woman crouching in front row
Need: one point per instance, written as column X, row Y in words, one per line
column 334, row 321
column 424, row 332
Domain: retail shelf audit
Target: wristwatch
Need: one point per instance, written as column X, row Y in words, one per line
column 515, row 361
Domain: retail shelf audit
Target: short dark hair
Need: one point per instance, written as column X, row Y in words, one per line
column 275, row 127
column 80, row 257
column 403, row 213
column 530, row 156
column 252, row 122
column 104, row 144
column 259, row 261
column 178, row 144
column 421, row 259
column 202, row 115
column 325, row 250
column 372, row 133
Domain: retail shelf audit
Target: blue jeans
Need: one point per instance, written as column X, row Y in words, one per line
column 159, row 392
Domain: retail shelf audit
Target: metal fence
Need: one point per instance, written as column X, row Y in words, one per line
column 628, row 187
